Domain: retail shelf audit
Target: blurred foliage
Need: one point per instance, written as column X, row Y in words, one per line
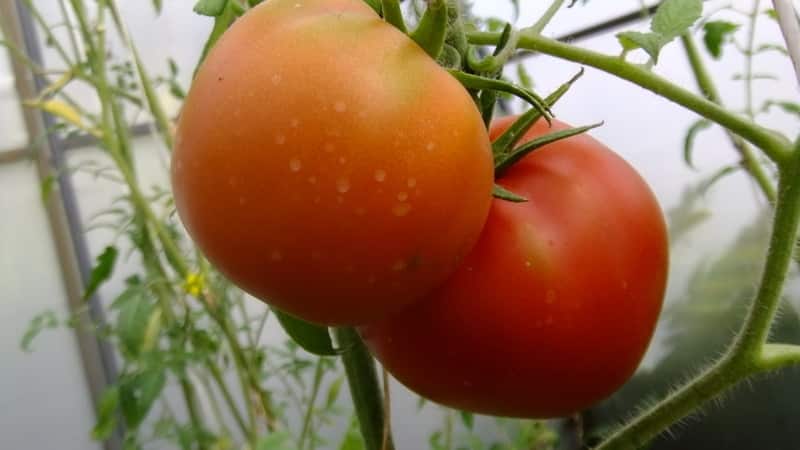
column 702, row 320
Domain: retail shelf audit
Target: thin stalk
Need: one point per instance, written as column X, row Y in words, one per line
column 748, row 60
column 775, row 146
column 364, row 387
column 246, row 396
column 51, row 39
column 191, row 401
column 246, row 369
column 215, row 408
column 548, row 15
column 709, row 90
column 216, row 375
column 153, row 102
column 70, row 29
column 248, row 330
column 319, row 372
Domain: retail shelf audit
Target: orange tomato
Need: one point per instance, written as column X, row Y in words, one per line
column 327, row 165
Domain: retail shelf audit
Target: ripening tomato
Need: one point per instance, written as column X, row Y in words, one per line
column 327, row 165
column 556, row 304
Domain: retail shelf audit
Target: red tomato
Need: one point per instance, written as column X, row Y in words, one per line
column 555, row 306
column 327, row 165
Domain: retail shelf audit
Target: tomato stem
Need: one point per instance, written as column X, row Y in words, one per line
column 364, row 388
column 774, row 145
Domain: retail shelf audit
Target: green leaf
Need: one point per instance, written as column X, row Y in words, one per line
column 203, row 342
column 504, row 194
column 279, row 440
column 312, row 338
column 40, row 322
column 468, row 419
column 158, row 5
column 106, row 414
column 487, row 101
column 138, row 392
column 688, row 142
column 504, row 161
column 333, row 392
column 135, row 310
column 771, row 13
column 649, row 42
column 504, row 143
column 714, row 34
column 352, row 437
column 211, row 8
column 674, row 17
column 102, row 270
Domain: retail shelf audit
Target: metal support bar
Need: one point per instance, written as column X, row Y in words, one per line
column 99, row 365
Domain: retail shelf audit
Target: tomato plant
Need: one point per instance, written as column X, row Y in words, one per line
column 327, row 165
column 555, row 306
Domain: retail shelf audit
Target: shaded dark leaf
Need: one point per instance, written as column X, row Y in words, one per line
column 102, row 270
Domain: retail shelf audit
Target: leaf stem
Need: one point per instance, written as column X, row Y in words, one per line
column 775, row 146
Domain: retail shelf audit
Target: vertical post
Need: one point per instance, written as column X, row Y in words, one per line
column 97, row 357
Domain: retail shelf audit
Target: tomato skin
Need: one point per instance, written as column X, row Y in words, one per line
column 327, row 165
column 554, row 307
